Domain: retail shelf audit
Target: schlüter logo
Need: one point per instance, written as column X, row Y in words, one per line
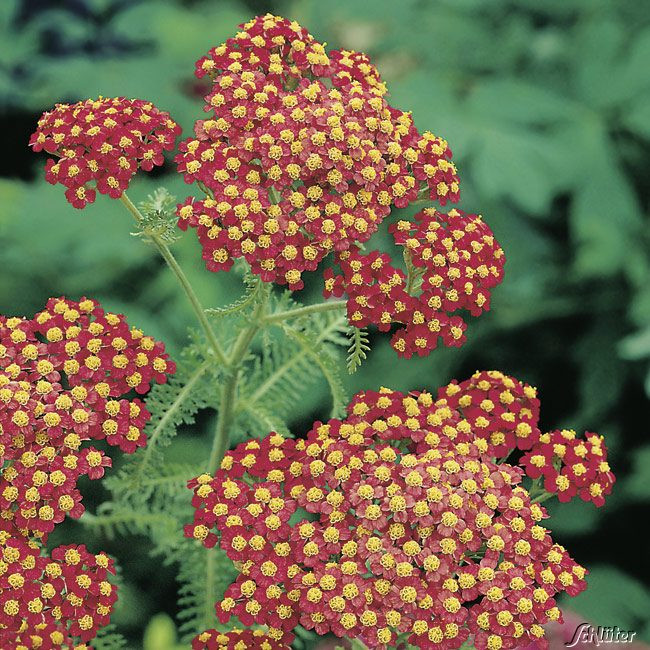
column 586, row 633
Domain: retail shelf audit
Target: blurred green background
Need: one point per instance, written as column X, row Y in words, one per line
column 546, row 106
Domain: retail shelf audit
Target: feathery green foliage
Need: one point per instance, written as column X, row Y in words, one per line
column 253, row 286
column 109, row 639
column 359, row 348
column 203, row 575
column 159, row 216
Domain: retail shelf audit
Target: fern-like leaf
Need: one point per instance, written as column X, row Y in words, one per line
column 289, row 366
column 204, row 575
column 171, row 404
column 359, row 348
column 112, row 520
column 156, row 490
column 108, row 639
column 158, row 216
column 253, row 287
column 315, row 349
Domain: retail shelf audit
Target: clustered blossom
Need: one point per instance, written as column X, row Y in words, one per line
column 101, row 143
column 302, row 156
column 55, row 601
column 236, row 640
column 396, row 521
column 66, row 377
column 454, row 261
column 571, row 466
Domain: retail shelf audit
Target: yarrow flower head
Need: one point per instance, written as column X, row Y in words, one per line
column 65, row 378
column 453, row 262
column 302, row 156
column 55, row 601
column 101, row 143
column 396, row 520
column 571, row 466
column 236, row 640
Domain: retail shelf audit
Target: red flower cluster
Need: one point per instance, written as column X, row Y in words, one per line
column 51, row 602
column 302, row 155
column 65, row 378
column 499, row 409
column 236, row 640
column 453, row 262
column 571, row 466
column 101, row 144
column 394, row 521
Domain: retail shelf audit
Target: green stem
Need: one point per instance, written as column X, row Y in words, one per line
column 229, row 395
column 537, row 492
column 413, row 274
column 545, row 496
column 224, row 420
column 169, row 258
column 332, row 305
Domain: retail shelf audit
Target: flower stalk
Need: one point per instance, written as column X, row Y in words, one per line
column 176, row 269
column 226, row 412
column 308, row 310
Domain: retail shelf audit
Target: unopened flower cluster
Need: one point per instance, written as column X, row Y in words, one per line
column 65, row 378
column 396, row 521
column 302, row 156
column 101, row 143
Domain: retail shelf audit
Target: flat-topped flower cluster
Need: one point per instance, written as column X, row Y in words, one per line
column 66, row 377
column 52, row 602
column 301, row 156
column 455, row 262
column 397, row 521
column 101, row 143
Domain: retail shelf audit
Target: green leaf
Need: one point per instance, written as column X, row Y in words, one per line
column 158, row 212
column 319, row 355
column 253, row 287
column 605, row 215
column 573, row 518
column 113, row 521
column 637, row 115
column 108, row 639
column 204, row 575
column 597, row 44
column 288, row 368
column 517, row 162
column 171, row 404
column 521, row 102
column 359, row 348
